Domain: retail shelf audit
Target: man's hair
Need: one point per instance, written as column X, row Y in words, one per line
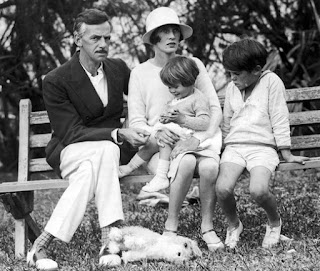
column 244, row 55
column 89, row 17
column 155, row 38
column 179, row 70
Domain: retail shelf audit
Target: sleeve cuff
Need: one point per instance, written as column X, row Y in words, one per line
column 114, row 135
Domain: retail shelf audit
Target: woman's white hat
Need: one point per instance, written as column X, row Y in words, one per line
column 162, row 16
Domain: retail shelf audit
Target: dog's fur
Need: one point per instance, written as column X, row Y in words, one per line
column 135, row 243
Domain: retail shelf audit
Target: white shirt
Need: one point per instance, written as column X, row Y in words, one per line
column 99, row 83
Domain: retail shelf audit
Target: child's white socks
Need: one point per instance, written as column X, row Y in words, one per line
column 134, row 163
column 160, row 181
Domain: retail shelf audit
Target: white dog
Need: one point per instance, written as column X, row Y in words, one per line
column 135, row 243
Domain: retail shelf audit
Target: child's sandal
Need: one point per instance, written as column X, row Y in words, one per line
column 212, row 240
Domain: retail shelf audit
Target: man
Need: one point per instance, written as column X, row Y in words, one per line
column 84, row 99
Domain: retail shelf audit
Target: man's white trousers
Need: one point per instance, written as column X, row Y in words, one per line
column 92, row 171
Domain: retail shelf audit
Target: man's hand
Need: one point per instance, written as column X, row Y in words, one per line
column 290, row 158
column 135, row 136
column 190, row 144
column 166, row 136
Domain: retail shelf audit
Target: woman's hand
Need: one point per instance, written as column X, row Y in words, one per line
column 190, row 144
column 166, row 136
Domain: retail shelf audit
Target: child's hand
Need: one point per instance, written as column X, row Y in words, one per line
column 175, row 116
column 296, row 159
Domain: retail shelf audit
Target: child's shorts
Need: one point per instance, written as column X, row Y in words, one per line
column 250, row 156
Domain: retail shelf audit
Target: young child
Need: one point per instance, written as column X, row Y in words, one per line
column 255, row 126
column 188, row 112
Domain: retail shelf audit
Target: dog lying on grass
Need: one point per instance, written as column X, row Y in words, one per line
column 135, row 243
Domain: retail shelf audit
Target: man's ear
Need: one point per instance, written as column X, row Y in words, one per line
column 77, row 40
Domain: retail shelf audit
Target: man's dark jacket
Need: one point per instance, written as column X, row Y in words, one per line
column 75, row 110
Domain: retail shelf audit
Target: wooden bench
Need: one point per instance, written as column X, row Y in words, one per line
column 18, row 196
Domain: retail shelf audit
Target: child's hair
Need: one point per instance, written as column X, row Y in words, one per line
column 244, row 55
column 179, row 70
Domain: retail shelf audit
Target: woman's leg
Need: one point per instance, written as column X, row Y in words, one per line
column 179, row 189
column 208, row 169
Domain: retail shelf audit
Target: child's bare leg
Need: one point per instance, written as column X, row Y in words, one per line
column 179, row 189
column 259, row 189
column 160, row 180
column 228, row 176
column 143, row 155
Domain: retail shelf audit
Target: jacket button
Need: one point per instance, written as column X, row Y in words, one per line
column 87, row 118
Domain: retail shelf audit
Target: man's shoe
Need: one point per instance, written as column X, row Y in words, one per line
column 108, row 259
column 272, row 236
column 233, row 235
column 38, row 258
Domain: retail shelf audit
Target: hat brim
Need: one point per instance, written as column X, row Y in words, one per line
column 186, row 31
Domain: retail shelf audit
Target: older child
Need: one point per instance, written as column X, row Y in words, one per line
column 188, row 112
column 255, row 126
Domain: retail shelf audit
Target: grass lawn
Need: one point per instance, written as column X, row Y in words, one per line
column 299, row 203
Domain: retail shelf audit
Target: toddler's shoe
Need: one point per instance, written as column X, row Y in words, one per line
column 233, row 235
column 38, row 258
column 272, row 236
column 156, row 184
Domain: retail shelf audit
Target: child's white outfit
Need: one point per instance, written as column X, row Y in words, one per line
column 259, row 123
column 196, row 109
column 252, row 131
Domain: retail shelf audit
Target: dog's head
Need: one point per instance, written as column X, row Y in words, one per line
column 180, row 249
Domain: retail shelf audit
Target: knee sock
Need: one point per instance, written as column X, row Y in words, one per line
column 105, row 235
column 43, row 241
column 162, row 169
column 134, row 163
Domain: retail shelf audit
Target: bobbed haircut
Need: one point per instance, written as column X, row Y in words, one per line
column 179, row 70
column 244, row 55
column 155, row 37
column 90, row 17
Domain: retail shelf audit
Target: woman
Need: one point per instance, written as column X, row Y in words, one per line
column 146, row 101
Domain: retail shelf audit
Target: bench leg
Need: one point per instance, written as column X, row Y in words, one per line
column 20, row 238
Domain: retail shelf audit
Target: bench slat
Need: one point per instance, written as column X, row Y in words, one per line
column 303, row 94
column 312, row 163
column 39, row 117
column 303, row 118
column 39, row 164
column 305, row 142
column 39, row 140
column 33, row 185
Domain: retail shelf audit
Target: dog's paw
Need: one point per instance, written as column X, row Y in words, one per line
column 115, row 234
column 113, row 247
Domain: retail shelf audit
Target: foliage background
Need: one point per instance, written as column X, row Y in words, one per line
column 36, row 36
